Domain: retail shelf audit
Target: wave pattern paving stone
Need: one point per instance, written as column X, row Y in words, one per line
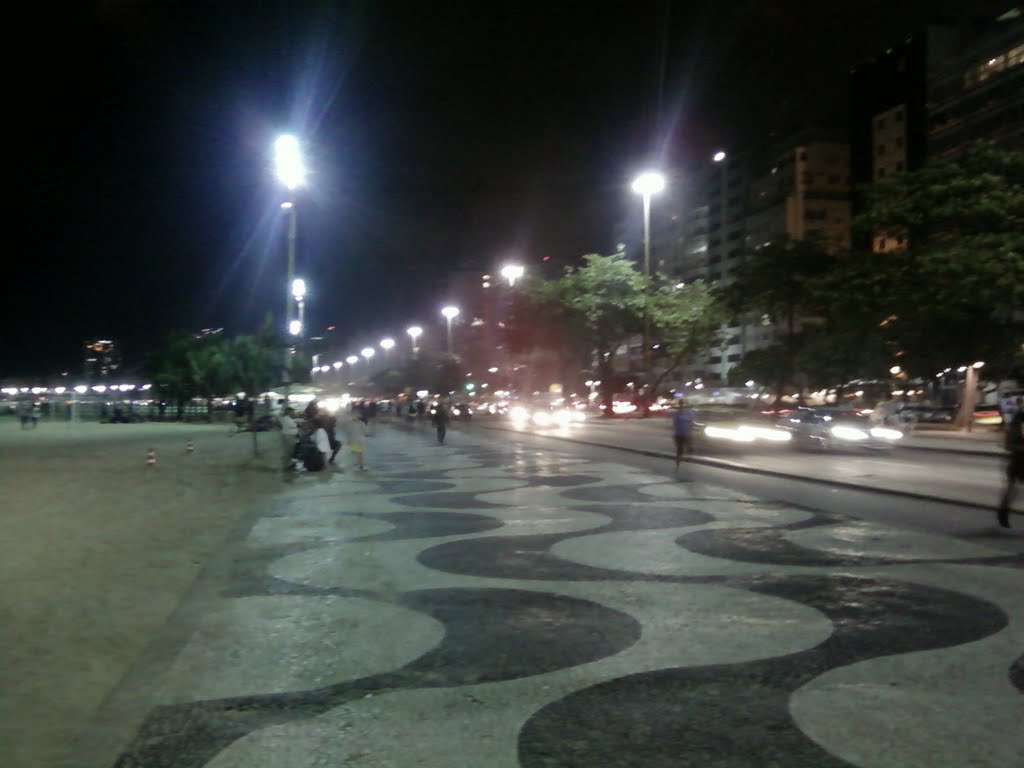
column 555, row 577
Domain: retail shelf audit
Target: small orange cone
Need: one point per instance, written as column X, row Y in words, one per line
column 188, row 447
column 150, row 458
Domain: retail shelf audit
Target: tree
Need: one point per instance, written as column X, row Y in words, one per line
column 959, row 275
column 782, row 282
column 254, row 366
column 603, row 304
column 684, row 323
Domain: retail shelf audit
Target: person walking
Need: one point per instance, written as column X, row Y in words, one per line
column 323, row 442
column 289, row 436
column 330, row 423
column 441, row 418
column 1007, row 409
column 355, row 432
column 1014, row 443
column 682, row 430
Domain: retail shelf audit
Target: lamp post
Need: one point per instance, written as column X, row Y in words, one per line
column 450, row 313
column 645, row 185
column 299, row 293
column 414, row 332
column 291, row 172
column 387, row 345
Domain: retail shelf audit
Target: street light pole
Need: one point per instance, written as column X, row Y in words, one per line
column 291, row 173
column 450, row 313
column 414, row 333
column 647, row 184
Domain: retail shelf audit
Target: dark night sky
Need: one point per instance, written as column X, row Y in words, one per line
column 436, row 132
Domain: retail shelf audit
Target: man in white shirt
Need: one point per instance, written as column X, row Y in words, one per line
column 289, row 436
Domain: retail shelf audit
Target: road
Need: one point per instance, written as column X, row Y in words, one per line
column 936, row 492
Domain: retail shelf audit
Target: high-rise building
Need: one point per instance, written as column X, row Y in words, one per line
column 101, row 359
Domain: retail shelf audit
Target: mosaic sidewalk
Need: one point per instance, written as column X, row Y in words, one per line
column 486, row 604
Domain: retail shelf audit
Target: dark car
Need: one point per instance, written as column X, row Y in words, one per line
column 830, row 429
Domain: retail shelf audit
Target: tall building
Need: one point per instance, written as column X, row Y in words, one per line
column 977, row 92
column 940, row 89
column 101, row 359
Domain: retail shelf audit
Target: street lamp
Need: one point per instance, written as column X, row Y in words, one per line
column 512, row 272
column 450, row 313
column 295, row 327
column 290, row 171
column 719, row 156
column 351, row 359
column 299, row 292
column 648, row 184
column 414, row 332
column 387, row 345
column 367, row 353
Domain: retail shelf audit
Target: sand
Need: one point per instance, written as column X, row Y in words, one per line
column 97, row 551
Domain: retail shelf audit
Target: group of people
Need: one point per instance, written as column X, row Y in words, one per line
column 314, row 441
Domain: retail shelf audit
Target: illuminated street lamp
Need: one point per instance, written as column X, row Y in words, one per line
column 646, row 185
column 291, row 172
column 719, row 156
column 337, row 365
column 387, row 345
column 414, row 332
column 295, row 327
column 367, row 353
column 512, row 272
column 450, row 313
column 351, row 359
column 299, row 292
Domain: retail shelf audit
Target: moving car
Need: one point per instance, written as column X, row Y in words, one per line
column 826, row 429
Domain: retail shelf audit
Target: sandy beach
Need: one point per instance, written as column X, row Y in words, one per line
column 97, row 551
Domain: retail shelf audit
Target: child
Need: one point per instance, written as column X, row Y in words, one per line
column 356, row 432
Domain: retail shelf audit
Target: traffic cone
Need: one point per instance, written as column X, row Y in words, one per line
column 150, row 458
column 188, row 447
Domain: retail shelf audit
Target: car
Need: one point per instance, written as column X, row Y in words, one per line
column 737, row 427
column 829, row 429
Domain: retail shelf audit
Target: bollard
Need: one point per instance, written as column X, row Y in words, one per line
column 150, row 458
column 188, row 447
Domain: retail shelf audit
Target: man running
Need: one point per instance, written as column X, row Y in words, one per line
column 1014, row 464
column 682, row 429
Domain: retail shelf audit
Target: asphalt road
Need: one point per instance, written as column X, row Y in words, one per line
column 937, row 491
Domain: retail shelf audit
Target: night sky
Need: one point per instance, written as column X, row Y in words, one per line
column 437, row 134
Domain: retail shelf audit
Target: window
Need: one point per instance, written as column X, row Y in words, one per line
column 879, row 124
column 898, row 117
column 735, row 358
column 880, row 150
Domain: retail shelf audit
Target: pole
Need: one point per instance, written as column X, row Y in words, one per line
column 292, row 227
column 449, row 334
column 647, row 274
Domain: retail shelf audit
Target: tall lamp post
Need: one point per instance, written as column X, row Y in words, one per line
column 646, row 185
column 387, row 345
column 367, row 353
column 291, row 172
column 299, row 292
column 450, row 313
column 414, row 332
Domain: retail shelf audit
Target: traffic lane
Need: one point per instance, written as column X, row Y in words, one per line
column 931, row 516
column 960, row 478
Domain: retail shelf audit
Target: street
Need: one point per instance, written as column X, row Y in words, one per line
column 509, row 600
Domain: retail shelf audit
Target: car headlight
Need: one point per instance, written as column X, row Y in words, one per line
column 542, row 419
column 766, row 433
column 848, row 433
column 882, row 433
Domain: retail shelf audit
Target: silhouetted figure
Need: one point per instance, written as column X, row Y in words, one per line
column 1014, row 463
column 441, row 418
column 682, row 430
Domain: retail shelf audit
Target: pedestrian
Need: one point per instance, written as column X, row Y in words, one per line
column 322, row 442
column 371, row 415
column 312, row 410
column 441, row 418
column 1007, row 409
column 25, row 414
column 355, row 432
column 289, row 437
column 1014, row 443
column 682, row 430
column 35, row 415
column 330, row 422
